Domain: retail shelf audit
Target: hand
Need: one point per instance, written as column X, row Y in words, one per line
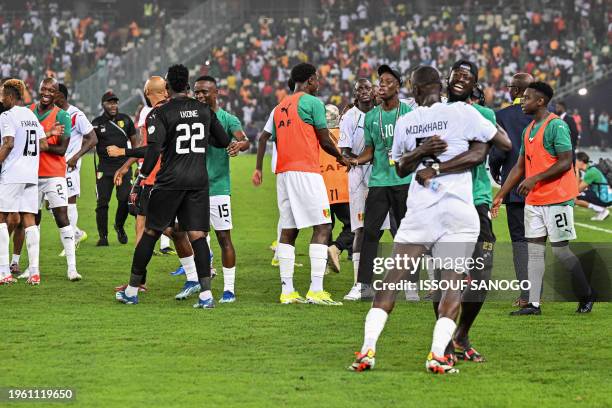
column 257, row 178
column 56, row 130
column 114, row 151
column 344, row 162
column 497, row 202
column 134, row 204
column 526, row 186
column 72, row 163
column 353, row 162
column 424, row 175
column 433, row 146
column 43, row 144
column 119, row 174
column 234, row 148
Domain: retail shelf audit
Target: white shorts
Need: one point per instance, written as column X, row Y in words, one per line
column 19, row 197
column 73, row 182
column 221, row 212
column 302, row 200
column 450, row 228
column 54, row 190
column 554, row 221
column 358, row 192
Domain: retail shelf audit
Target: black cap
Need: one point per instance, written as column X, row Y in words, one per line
column 469, row 65
column 109, row 96
column 385, row 68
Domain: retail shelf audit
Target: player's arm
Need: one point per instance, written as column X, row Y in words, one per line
column 257, row 178
column 514, row 177
column 138, row 152
column 409, row 161
column 59, row 149
column 240, row 142
column 326, row 143
column 501, row 140
column 8, row 142
column 218, row 135
column 348, row 153
column 89, row 141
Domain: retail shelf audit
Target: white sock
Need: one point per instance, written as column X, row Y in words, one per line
column 374, row 325
column 73, row 216
column 286, row 263
column 207, row 294
column 164, row 242
column 318, row 262
column 442, row 334
column 131, row 291
column 356, row 256
column 189, row 266
column 15, row 259
column 4, row 250
column 32, row 239
column 596, row 208
column 536, row 266
column 430, row 269
column 229, row 277
column 67, row 236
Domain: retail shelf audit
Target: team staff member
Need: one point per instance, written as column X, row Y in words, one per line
column 336, row 183
column 514, row 121
column 593, row 188
column 112, row 129
column 386, row 189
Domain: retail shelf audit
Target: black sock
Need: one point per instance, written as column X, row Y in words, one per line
column 142, row 256
column 201, row 254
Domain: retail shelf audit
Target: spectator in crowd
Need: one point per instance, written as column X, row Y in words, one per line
column 603, row 129
column 561, row 111
column 593, row 187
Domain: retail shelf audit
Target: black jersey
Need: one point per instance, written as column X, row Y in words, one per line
column 184, row 127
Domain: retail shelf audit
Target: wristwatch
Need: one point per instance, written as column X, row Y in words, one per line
column 436, row 167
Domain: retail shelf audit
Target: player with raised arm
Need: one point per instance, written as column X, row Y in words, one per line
column 550, row 187
column 82, row 139
column 19, row 158
column 440, row 216
column 181, row 131
column 217, row 164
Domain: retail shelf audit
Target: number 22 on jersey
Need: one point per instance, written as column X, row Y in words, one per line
column 188, row 137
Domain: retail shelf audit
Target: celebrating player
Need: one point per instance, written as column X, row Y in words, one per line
column 19, row 158
column 82, row 139
column 217, row 165
column 550, row 187
column 52, row 170
column 183, row 127
column 299, row 128
column 439, row 216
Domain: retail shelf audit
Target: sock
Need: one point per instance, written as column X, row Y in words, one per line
column 207, row 294
column 572, row 263
column 318, row 262
column 141, row 258
column 430, row 269
column 15, row 259
column 67, row 235
column 442, row 334
column 131, row 291
column 32, row 239
column 164, row 242
column 374, row 325
column 229, row 277
column 356, row 256
column 73, row 216
column 202, row 261
column 189, row 266
column 535, row 270
column 286, row 263
column 4, row 250
column 596, row 208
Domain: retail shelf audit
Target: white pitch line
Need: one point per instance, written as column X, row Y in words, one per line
column 592, row 227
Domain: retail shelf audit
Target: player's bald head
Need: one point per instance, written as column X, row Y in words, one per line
column 520, row 81
column 50, row 81
column 155, row 85
column 425, row 75
column 426, row 85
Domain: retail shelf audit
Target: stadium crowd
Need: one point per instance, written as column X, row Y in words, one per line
column 553, row 41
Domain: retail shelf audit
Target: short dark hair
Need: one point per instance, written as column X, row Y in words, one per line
column 291, row 84
column 302, row 72
column 543, row 88
column 583, row 157
column 178, row 78
column 425, row 75
column 13, row 90
column 207, row 78
column 63, row 90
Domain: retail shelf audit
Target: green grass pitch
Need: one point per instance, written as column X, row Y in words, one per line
column 257, row 352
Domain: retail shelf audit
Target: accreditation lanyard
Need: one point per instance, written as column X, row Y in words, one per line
column 383, row 134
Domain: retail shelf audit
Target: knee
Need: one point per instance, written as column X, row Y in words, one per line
column 152, row 233
column 195, row 235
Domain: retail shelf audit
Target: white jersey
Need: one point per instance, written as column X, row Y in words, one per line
column 457, row 124
column 80, row 127
column 351, row 130
column 144, row 112
column 21, row 165
column 269, row 127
